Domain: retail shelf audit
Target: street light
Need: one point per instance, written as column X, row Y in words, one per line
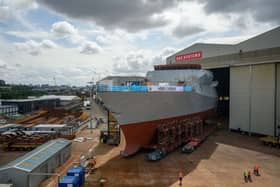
column 91, row 107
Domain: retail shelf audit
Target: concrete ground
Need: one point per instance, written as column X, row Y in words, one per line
column 8, row 156
column 219, row 161
column 79, row 148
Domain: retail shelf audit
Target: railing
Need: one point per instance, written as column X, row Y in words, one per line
column 151, row 88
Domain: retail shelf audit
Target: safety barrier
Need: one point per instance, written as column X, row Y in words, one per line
column 138, row 88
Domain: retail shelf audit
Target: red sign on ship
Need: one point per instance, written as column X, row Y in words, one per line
column 189, row 56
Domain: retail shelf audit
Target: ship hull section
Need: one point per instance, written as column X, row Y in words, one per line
column 141, row 134
column 139, row 113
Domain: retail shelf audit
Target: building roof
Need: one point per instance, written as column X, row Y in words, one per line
column 38, row 156
column 44, row 98
column 27, row 100
column 122, row 77
column 61, row 97
column 266, row 40
column 8, row 106
column 209, row 49
column 9, row 125
column 51, row 125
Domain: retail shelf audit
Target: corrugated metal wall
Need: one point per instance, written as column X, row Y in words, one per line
column 252, row 94
column 239, row 97
column 21, row 178
column 278, row 100
column 208, row 50
column 265, row 40
column 263, row 99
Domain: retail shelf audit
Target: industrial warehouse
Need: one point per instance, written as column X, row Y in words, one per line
column 249, row 80
column 212, row 111
column 24, row 106
column 31, row 169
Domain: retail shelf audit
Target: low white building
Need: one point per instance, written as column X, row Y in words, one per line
column 31, row 168
column 64, row 99
column 59, row 128
column 8, row 110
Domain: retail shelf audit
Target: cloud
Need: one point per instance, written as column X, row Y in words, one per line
column 34, row 48
column 90, row 48
column 31, row 46
column 3, row 65
column 139, row 62
column 4, row 12
column 63, row 29
column 48, row 44
column 44, row 75
column 102, row 39
column 263, row 11
column 23, row 68
column 226, row 40
column 136, row 63
column 29, row 34
column 126, row 14
column 21, row 4
column 183, row 30
column 9, row 7
column 103, row 33
column 66, row 30
column 167, row 51
column 77, row 39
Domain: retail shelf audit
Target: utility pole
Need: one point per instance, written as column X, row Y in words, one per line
column 91, row 118
column 91, row 105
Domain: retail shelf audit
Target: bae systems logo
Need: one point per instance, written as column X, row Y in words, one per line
column 189, row 56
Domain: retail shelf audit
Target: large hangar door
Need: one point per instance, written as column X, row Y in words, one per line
column 278, row 100
column 252, row 93
column 239, row 98
column 263, row 99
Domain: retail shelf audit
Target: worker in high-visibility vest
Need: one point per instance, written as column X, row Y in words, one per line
column 249, row 176
column 245, row 176
column 257, row 170
column 180, row 178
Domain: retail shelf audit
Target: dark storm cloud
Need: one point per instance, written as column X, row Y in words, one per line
column 262, row 10
column 182, row 31
column 131, row 15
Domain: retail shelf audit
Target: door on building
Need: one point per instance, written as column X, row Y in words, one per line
column 222, row 76
column 278, row 99
column 252, row 93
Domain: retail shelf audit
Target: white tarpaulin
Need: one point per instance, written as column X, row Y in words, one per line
column 165, row 88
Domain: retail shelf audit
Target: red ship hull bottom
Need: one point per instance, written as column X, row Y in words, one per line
column 138, row 135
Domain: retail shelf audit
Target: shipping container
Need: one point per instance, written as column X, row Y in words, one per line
column 67, row 181
column 79, row 172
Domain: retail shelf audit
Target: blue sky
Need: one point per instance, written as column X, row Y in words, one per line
column 77, row 41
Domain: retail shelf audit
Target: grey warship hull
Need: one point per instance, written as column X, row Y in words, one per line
column 140, row 113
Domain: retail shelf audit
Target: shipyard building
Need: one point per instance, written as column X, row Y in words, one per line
column 28, row 105
column 32, row 168
column 249, row 80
